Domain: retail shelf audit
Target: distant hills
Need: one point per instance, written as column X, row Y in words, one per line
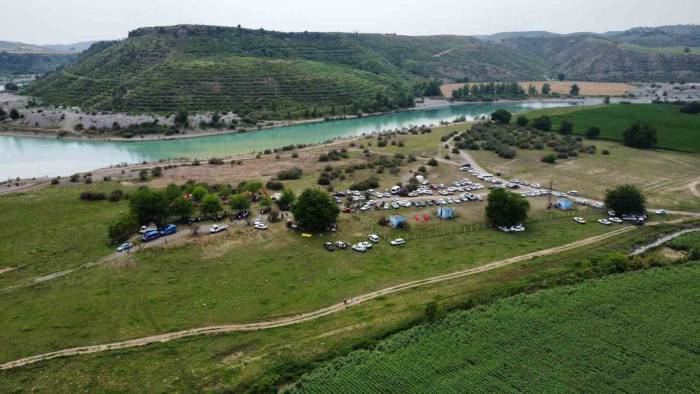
column 201, row 68
column 17, row 58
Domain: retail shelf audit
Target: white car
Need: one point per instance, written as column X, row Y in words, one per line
column 614, row 219
column 579, row 220
column 261, row 226
column 359, row 248
column 604, row 221
column 660, row 211
column 572, row 192
column 504, row 229
column 125, row 246
column 374, row 238
column 367, row 245
column 517, row 228
column 398, row 242
column 217, row 228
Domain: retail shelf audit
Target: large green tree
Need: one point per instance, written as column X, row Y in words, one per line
column 501, row 116
column 239, row 202
column 149, row 206
column 315, row 210
column 122, row 228
column 181, row 207
column 640, row 135
column 210, row 205
column 543, row 123
column 505, row 208
column 625, row 199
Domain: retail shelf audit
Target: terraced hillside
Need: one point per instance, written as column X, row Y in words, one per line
column 32, row 63
column 621, row 333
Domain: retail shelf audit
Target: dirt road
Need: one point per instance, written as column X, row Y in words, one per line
column 287, row 321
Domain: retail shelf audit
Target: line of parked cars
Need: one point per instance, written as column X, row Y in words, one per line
column 362, row 246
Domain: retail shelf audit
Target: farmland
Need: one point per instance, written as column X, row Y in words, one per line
column 564, row 87
column 606, row 335
column 675, row 131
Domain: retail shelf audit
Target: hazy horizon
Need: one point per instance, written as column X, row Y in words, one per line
column 44, row 22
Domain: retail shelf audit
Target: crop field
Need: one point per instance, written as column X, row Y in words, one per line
column 675, row 130
column 602, row 336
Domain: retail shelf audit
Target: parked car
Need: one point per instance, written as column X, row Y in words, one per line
column 374, row 238
column 145, row 229
column 125, row 246
column 261, row 226
column 660, row 211
column 504, row 229
column 341, row 245
column 599, row 205
column 359, row 248
column 518, row 228
column 217, row 228
column 579, row 220
column 605, row 222
column 167, row 230
column 614, row 219
column 366, row 244
column 347, row 210
column 398, row 242
column 150, row 236
column 329, row 246
column 572, row 192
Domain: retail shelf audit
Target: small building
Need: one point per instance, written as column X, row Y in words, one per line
column 396, row 221
column 565, row 204
column 445, row 213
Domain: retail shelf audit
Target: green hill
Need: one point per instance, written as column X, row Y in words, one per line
column 624, row 333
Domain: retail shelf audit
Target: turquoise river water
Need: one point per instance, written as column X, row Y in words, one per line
column 28, row 157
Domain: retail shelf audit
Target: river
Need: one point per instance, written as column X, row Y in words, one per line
column 28, row 157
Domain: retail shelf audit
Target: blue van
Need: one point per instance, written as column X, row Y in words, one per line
column 167, row 230
column 150, row 236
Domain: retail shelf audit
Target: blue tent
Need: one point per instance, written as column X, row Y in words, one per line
column 565, row 204
column 445, row 213
column 396, row 220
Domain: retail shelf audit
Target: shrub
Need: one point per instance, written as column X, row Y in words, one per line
column 157, row 171
column 293, row 173
column 370, row 183
column 74, row 178
column 432, row 162
column 116, row 195
column 592, row 133
column 55, row 181
column 501, row 116
column 605, row 152
column 216, row 161
column 691, row 108
column 566, row 127
column 273, row 185
column 93, row 196
column 640, row 135
column 521, row 121
column 549, row 158
column 121, row 229
column 543, row 123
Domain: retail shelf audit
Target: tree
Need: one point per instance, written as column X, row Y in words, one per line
column 532, row 90
column 3, row 114
column 546, row 89
column 315, row 210
column 199, row 192
column 505, row 208
column 432, row 312
column 121, row 229
column 287, row 200
column 11, row 87
column 566, row 127
column 606, row 100
column 181, row 207
column 521, row 121
column 251, row 186
column 575, row 90
column 625, row 199
column 239, row 202
column 210, row 205
column 685, row 50
column 593, row 133
column 543, row 123
column 692, row 108
column 181, row 118
column 561, row 76
column 501, row 116
column 14, row 114
column 149, row 206
column 172, row 191
column 640, row 135
column 549, row 158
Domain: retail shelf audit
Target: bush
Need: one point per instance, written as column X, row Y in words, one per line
column 605, row 152
column 370, row 183
column 566, row 127
column 55, row 181
column 549, row 158
column 272, row 185
column 293, row 173
column 216, row 161
column 432, row 163
column 543, row 123
column 691, row 108
column 120, row 230
column 74, row 178
column 156, row 172
column 93, row 196
column 521, row 121
column 116, row 195
column 592, row 133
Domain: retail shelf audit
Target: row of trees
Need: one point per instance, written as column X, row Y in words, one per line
column 488, row 91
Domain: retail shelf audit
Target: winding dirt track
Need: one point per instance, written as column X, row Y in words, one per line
column 287, row 321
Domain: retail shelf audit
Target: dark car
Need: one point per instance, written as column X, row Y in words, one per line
column 341, row 245
column 150, row 236
column 329, row 246
column 167, row 230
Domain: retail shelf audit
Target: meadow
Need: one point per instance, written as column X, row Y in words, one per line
column 675, row 130
column 604, row 335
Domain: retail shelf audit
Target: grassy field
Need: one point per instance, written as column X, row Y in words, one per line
column 663, row 176
column 260, row 361
column 675, row 130
column 51, row 229
column 659, row 50
column 605, row 335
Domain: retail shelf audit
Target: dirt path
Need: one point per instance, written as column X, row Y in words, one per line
column 694, row 188
column 287, row 321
